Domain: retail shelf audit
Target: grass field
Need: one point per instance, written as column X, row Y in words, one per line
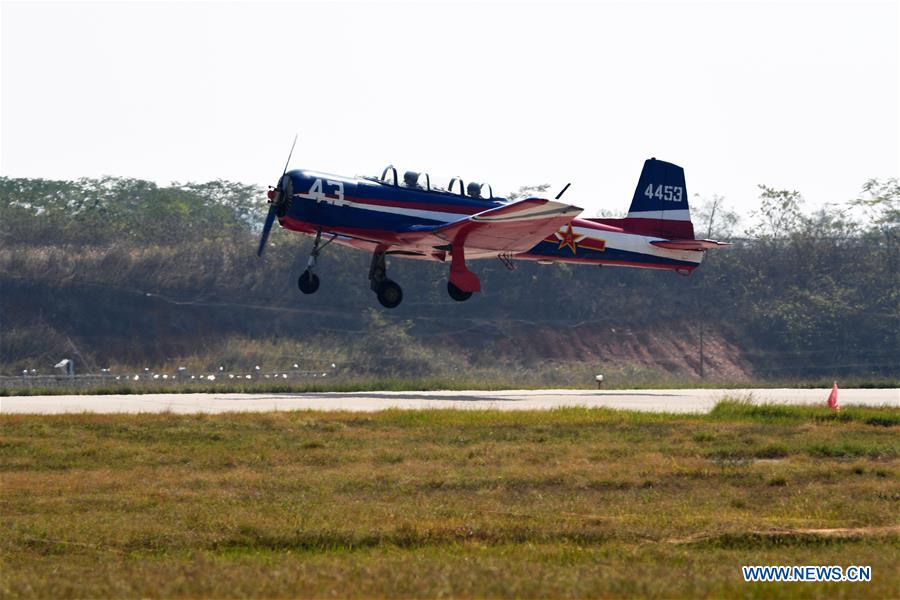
column 563, row 503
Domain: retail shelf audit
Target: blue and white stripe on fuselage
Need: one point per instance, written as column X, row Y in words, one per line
column 335, row 202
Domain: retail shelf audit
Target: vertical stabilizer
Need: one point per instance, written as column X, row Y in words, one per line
column 660, row 203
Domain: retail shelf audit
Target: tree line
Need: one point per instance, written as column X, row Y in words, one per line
column 803, row 292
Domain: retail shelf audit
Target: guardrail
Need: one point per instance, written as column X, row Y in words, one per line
column 152, row 379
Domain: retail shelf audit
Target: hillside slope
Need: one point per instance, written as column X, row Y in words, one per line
column 124, row 273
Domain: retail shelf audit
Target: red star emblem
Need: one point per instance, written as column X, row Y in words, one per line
column 569, row 239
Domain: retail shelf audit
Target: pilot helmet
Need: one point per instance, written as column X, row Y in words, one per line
column 411, row 179
column 473, row 190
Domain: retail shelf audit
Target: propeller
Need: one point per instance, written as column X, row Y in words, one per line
column 278, row 199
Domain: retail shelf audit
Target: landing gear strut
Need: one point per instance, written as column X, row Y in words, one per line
column 390, row 295
column 463, row 282
column 309, row 281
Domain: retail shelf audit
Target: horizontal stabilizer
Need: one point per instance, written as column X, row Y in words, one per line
column 689, row 244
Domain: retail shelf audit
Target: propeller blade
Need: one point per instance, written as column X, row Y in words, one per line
column 267, row 227
column 278, row 198
column 559, row 195
column 288, row 161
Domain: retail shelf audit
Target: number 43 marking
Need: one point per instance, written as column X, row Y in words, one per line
column 336, row 196
column 670, row 193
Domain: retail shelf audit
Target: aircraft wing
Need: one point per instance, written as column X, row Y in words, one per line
column 515, row 227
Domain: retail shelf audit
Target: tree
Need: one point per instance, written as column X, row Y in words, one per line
column 779, row 214
column 529, row 190
column 880, row 202
column 712, row 218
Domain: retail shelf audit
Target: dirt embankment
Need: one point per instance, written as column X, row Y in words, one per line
column 672, row 349
column 52, row 307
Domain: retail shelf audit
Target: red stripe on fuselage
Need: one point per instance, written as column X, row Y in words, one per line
column 373, row 235
column 450, row 209
column 592, row 244
column 661, row 228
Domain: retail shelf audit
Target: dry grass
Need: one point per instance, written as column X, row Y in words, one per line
column 566, row 503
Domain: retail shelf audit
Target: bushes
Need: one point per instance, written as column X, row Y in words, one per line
column 811, row 295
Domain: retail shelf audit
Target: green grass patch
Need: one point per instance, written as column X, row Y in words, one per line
column 568, row 503
column 780, row 413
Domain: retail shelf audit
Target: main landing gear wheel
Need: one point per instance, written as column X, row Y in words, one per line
column 389, row 294
column 308, row 282
column 457, row 294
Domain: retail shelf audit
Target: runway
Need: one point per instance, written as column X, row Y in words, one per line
column 674, row 401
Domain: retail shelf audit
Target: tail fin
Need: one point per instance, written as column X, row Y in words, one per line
column 660, row 204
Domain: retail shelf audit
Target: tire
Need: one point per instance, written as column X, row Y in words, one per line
column 457, row 294
column 389, row 294
column 308, row 282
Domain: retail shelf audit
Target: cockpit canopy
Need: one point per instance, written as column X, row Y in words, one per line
column 415, row 180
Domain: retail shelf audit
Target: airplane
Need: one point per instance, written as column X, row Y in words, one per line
column 417, row 218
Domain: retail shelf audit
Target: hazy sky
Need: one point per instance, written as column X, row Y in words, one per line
column 799, row 95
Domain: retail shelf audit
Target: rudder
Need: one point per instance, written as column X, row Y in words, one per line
column 660, row 203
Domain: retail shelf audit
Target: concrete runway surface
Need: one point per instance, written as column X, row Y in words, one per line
column 676, row 401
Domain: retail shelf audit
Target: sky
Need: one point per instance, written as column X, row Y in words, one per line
column 797, row 95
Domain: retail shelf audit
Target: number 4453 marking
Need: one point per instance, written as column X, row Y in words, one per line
column 671, row 193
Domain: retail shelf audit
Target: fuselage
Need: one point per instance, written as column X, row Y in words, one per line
column 371, row 214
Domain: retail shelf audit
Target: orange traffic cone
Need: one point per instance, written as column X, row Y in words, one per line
column 832, row 398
